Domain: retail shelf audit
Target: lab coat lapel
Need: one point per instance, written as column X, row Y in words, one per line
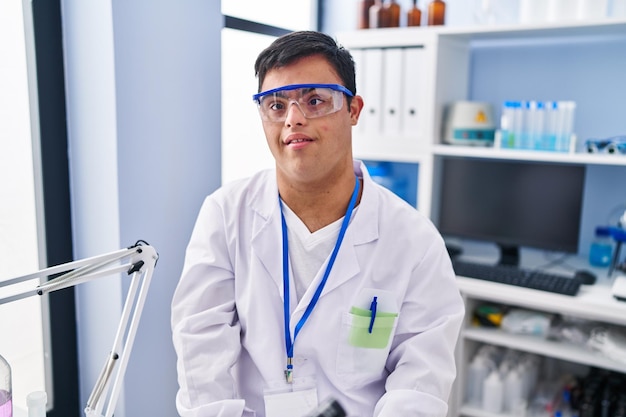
column 267, row 236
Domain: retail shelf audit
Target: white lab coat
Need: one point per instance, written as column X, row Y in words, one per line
column 227, row 311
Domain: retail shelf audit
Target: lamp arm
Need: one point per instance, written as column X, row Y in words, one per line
column 140, row 261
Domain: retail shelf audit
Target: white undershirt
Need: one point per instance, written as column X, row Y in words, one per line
column 308, row 252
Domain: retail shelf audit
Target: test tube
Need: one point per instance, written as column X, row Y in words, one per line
column 565, row 125
column 551, row 121
column 570, row 108
column 525, row 125
column 518, row 124
column 540, row 125
column 506, row 125
column 534, row 120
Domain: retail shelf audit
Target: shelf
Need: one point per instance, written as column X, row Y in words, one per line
column 537, row 345
column 410, row 36
column 593, row 302
column 527, row 155
column 600, row 28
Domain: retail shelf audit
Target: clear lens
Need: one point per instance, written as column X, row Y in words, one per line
column 313, row 101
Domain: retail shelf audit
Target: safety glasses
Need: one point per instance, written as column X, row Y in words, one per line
column 313, row 100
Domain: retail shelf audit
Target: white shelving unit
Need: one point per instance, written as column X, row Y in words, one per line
column 444, row 78
column 593, row 303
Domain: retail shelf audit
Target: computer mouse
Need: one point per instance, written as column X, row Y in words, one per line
column 585, row 277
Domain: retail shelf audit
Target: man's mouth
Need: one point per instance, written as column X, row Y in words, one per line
column 299, row 139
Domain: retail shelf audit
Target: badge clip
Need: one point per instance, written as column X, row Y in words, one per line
column 289, row 372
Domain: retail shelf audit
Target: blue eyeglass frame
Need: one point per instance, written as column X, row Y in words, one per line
column 335, row 87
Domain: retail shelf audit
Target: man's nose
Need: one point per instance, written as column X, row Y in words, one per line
column 295, row 115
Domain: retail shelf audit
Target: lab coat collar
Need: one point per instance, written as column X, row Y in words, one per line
column 267, row 234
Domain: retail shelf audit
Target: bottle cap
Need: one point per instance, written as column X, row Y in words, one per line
column 36, row 398
column 603, row 231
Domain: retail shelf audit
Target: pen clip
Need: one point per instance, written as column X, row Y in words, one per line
column 373, row 313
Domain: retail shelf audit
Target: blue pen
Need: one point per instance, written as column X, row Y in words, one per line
column 373, row 310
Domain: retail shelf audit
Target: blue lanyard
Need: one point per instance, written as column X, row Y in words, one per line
column 288, row 341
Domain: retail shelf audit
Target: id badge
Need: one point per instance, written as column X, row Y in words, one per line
column 291, row 404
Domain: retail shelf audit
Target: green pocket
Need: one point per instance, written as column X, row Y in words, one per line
column 359, row 331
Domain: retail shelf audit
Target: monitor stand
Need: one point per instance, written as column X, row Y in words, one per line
column 509, row 254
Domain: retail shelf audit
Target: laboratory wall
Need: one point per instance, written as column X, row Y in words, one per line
column 144, row 118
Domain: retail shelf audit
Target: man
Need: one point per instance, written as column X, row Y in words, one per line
column 310, row 281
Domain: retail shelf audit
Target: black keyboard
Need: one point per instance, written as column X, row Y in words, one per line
column 521, row 277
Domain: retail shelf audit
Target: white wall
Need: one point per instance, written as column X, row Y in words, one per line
column 142, row 79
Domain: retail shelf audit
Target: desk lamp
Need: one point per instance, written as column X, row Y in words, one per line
column 138, row 261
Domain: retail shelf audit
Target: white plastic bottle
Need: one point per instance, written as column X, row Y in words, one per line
column 513, row 390
column 493, row 392
column 477, row 373
column 36, row 402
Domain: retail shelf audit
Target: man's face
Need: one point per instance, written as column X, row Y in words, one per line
column 314, row 149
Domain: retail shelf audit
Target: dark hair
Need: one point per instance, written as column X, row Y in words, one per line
column 293, row 46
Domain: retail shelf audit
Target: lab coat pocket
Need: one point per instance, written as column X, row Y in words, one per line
column 362, row 355
column 373, row 333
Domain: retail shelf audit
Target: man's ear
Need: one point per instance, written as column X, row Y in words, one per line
column 356, row 105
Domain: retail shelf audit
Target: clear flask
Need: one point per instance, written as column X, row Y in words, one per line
column 6, row 393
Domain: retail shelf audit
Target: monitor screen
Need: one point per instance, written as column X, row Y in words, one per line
column 512, row 203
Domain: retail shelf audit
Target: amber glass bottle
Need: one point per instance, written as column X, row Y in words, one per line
column 364, row 13
column 394, row 13
column 436, row 13
column 414, row 15
column 379, row 15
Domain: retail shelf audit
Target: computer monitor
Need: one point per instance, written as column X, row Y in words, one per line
column 512, row 204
